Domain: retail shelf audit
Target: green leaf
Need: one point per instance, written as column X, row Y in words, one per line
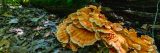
column 34, row 19
column 14, row 20
column 2, row 31
column 4, row 43
column 6, row 14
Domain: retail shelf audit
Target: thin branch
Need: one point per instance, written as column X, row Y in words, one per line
column 155, row 18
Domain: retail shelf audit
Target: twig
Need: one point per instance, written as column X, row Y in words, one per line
column 155, row 18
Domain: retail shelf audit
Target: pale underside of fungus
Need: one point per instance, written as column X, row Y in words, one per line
column 88, row 25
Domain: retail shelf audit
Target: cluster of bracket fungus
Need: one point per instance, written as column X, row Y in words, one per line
column 88, row 25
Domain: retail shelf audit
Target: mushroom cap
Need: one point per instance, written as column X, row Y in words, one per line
column 103, row 30
column 77, row 24
column 67, row 21
column 74, row 19
column 90, row 8
column 84, row 21
column 81, row 37
column 98, row 19
column 116, row 41
column 72, row 46
column 117, row 27
column 61, row 34
column 147, row 39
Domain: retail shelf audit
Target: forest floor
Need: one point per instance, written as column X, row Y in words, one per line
column 24, row 30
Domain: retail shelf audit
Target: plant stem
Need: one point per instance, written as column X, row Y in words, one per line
column 155, row 19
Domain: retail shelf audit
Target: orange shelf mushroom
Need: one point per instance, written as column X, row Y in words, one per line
column 88, row 25
column 81, row 37
column 61, row 34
